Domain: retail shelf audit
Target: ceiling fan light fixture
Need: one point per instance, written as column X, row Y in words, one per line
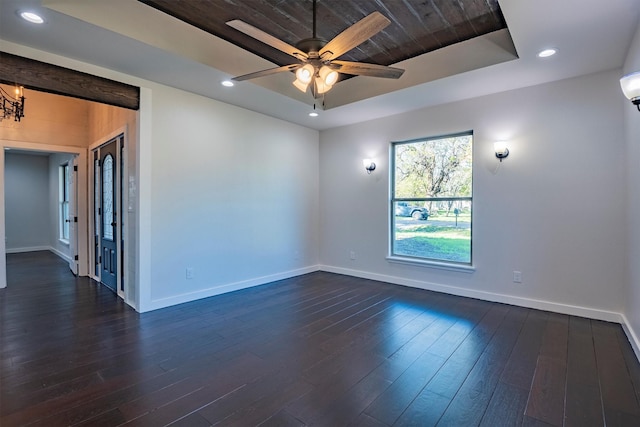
column 302, row 87
column 305, row 74
column 321, row 87
column 328, row 76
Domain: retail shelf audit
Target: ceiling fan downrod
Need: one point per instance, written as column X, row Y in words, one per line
column 314, row 19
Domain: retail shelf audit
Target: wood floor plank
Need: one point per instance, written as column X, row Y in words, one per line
column 388, row 407
column 365, row 420
column 618, row 395
column 521, row 364
column 282, row 419
column 506, row 407
column 347, row 407
column 318, row 349
column 392, row 403
column 630, row 360
column 425, row 411
column 471, row 400
column 257, row 412
column 546, row 398
column 547, row 391
column 583, row 401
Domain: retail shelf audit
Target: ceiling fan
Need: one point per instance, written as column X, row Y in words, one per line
column 317, row 67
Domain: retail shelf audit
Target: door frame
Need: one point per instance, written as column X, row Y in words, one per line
column 82, row 201
column 121, row 199
column 73, row 213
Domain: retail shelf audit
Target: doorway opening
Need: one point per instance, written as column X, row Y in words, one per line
column 41, row 204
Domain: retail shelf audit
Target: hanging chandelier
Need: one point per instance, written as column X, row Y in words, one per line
column 12, row 106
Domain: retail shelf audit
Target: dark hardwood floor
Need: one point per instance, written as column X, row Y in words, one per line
column 320, row 349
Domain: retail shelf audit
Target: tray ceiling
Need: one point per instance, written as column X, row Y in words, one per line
column 417, row 26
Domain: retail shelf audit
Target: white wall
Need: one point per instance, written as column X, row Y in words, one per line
column 55, row 161
column 234, row 196
column 632, row 133
column 554, row 211
column 228, row 192
column 26, row 202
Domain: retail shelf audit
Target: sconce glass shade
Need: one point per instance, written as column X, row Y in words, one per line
column 328, row 76
column 369, row 165
column 630, row 85
column 500, row 147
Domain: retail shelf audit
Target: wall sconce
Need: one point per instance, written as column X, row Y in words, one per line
column 500, row 147
column 631, row 87
column 369, row 165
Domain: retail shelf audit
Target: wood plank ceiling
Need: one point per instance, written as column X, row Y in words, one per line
column 417, row 26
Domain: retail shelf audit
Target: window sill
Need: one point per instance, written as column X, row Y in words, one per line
column 432, row 264
column 64, row 242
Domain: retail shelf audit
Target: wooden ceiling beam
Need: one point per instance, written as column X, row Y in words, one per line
column 36, row 75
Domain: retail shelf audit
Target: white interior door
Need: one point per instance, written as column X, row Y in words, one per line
column 73, row 215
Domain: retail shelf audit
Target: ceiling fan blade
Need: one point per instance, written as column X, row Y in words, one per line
column 266, row 72
column 364, row 69
column 267, row 39
column 354, row 35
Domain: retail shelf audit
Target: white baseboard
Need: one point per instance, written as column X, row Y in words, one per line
column 27, row 249
column 573, row 310
column 631, row 336
column 221, row 289
column 60, row 254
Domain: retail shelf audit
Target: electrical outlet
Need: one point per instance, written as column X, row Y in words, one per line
column 352, row 255
column 189, row 273
column 517, row 277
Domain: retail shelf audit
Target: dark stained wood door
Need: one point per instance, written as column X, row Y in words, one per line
column 109, row 217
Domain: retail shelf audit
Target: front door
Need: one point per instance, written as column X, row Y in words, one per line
column 108, row 238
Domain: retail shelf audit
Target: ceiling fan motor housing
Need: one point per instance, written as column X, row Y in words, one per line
column 312, row 46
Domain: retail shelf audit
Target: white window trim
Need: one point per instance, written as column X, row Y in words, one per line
column 423, row 262
column 463, row 268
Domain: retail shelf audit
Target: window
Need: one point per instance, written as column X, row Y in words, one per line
column 107, row 198
column 64, row 202
column 431, row 198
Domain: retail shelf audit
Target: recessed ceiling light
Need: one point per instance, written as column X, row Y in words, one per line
column 547, row 53
column 227, row 83
column 32, row 17
column 313, row 114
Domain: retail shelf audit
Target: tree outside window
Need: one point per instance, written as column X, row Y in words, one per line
column 431, row 198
